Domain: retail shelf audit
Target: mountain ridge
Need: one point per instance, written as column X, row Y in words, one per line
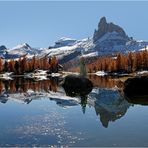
column 108, row 39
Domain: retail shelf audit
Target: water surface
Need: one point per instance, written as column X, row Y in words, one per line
column 38, row 113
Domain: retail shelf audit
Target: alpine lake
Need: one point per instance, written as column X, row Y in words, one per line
column 40, row 113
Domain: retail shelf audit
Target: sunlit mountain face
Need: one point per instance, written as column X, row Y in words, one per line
column 107, row 39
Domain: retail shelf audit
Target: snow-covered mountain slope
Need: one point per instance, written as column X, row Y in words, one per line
column 18, row 51
column 108, row 39
column 21, row 50
column 3, row 50
column 65, row 42
column 112, row 43
column 66, row 49
column 111, row 39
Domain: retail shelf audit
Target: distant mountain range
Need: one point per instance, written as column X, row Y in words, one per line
column 108, row 39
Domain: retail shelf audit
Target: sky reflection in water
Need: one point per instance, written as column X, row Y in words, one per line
column 38, row 113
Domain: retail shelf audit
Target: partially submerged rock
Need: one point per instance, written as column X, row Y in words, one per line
column 77, row 85
column 136, row 88
column 141, row 100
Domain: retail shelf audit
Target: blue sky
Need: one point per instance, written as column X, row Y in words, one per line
column 40, row 24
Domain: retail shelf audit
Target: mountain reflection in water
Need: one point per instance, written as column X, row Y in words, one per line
column 109, row 105
column 106, row 99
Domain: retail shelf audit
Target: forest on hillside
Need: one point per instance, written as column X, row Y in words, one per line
column 23, row 64
column 124, row 63
column 121, row 63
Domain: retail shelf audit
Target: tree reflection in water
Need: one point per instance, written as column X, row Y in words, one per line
column 22, row 85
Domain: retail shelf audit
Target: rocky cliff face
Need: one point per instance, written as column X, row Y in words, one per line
column 104, row 27
column 2, row 48
column 2, row 51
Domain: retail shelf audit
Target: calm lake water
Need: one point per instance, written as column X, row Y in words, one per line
column 38, row 113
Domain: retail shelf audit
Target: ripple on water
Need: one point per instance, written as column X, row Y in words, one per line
column 50, row 126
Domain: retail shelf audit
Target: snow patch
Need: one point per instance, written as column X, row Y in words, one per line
column 100, row 73
column 142, row 72
column 93, row 54
column 6, row 76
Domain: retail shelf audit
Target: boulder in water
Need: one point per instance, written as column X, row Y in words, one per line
column 77, row 85
column 136, row 88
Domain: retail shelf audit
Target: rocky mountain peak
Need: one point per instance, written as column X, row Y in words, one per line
column 102, row 22
column 24, row 45
column 2, row 47
column 104, row 27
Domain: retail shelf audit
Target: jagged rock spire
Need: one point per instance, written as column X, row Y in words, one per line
column 104, row 27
